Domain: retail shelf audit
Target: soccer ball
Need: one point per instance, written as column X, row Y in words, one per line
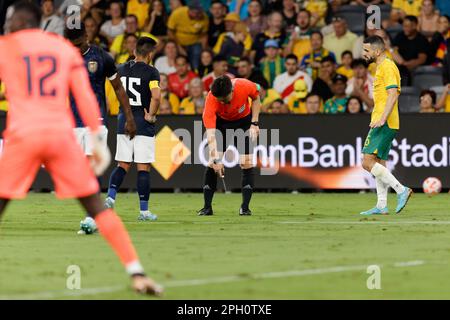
column 432, row 185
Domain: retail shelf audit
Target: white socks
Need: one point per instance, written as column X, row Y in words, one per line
column 382, row 192
column 388, row 178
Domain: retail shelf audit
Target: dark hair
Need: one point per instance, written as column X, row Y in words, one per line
column 431, row 93
column 245, row 59
column 219, row 58
column 127, row 35
column 221, row 87
column 304, row 10
column 182, row 56
column 144, row 46
column 361, row 107
column 213, row 2
column 346, row 52
column 312, row 94
column 75, row 33
column 359, row 62
column 33, row 11
column 412, row 19
column 328, row 59
column 317, row 32
column 291, row 56
column 132, row 16
column 375, row 40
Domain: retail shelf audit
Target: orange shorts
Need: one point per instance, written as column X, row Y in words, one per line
column 62, row 157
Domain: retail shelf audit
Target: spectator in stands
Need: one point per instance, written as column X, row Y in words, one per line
column 168, row 96
column 216, row 21
column 62, row 9
column 175, row 4
column 179, row 81
column 284, row 83
column 205, row 66
column 354, row 105
column 278, row 107
column 318, row 9
column 322, row 85
column 297, row 100
column 268, row 95
column 194, row 103
column 118, row 46
column 91, row 27
column 289, row 13
column 273, row 32
column 272, row 64
column 110, row 29
column 338, row 103
column 188, row 26
column 164, row 108
column 130, row 47
column 233, row 46
column 341, row 39
column 412, row 48
column 440, row 42
column 156, row 23
column 427, row 101
column 444, row 100
column 346, row 64
column 246, row 70
column 256, row 21
column 428, row 19
column 141, row 9
column 361, row 85
column 401, row 9
column 231, row 20
column 299, row 40
column 311, row 61
column 51, row 22
column 166, row 63
column 220, row 68
column 313, row 103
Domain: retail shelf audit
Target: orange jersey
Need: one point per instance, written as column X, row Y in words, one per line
column 39, row 69
column 244, row 91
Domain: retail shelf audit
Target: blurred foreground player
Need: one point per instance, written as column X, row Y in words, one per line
column 39, row 69
column 231, row 112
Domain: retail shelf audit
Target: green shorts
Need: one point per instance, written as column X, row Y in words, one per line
column 379, row 141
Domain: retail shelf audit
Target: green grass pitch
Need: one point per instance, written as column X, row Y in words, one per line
column 295, row 246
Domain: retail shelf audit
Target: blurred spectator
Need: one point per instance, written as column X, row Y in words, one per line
column 354, row 105
column 130, row 46
column 156, row 23
column 194, row 103
column 256, row 21
column 284, row 83
column 175, row 4
column 268, row 95
column 297, row 100
column 220, row 68
column 166, row 63
column 440, row 41
column 272, row 64
column 164, row 108
column 141, row 9
column 246, row 70
column 412, row 48
column 92, row 33
column 318, row 9
column 346, row 64
column 273, row 32
column 231, row 20
column 289, row 13
column 168, row 96
column 338, row 103
column 233, row 46
column 62, row 9
column 278, row 107
column 322, row 85
column 116, row 25
column 272, row 5
column 216, row 22
column 428, row 19
column 427, row 101
column 51, row 22
column 179, row 81
column 444, row 100
column 402, row 8
column 361, row 85
column 118, row 46
column 313, row 103
column 341, row 39
column 205, row 67
column 311, row 61
column 188, row 26
column 298, row 41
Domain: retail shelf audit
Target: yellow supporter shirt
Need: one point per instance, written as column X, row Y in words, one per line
column 174, row 102
column 302, row 47
column 140, row 10
column 187, row 31
column 318, row 7
column 447, row 103
column 3, row 103
column 345, row 72
column 387, row 76
column 118, row 44
column 296, row 105
column 187, row 106
column 410, row 7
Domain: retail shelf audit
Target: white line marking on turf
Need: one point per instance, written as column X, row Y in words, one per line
column 199, row 282
column 365, row 222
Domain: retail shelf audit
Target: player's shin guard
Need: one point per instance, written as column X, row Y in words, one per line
column 382, row 192
column 113, row 230
column 143, row 188
column 209, row 186
column 380, row 171
column 248, row 182
column 115, row 181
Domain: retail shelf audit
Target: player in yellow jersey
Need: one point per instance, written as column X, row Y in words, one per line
column 384, row 125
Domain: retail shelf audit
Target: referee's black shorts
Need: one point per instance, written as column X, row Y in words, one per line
column 234, row 133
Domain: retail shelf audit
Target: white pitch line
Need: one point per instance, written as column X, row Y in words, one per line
column 365, row 222
column 199, row 282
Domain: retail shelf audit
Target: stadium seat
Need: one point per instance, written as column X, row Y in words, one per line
column 408, row 101
column 355, row 17
column 425, row 77
column 438, row 89
column 385, row 11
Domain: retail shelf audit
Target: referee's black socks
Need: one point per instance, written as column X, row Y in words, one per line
column 248, row 181
column 209, row 186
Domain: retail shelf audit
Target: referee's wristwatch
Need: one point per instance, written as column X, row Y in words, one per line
column 255, row 123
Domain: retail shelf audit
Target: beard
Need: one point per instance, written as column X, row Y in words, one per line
column 369, row 60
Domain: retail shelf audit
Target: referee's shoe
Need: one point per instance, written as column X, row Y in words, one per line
column 205, row 212
column 244, row 212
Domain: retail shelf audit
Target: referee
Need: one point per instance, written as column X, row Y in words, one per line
column 230, row 105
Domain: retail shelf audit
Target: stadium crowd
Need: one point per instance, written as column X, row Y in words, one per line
column 305, row 55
